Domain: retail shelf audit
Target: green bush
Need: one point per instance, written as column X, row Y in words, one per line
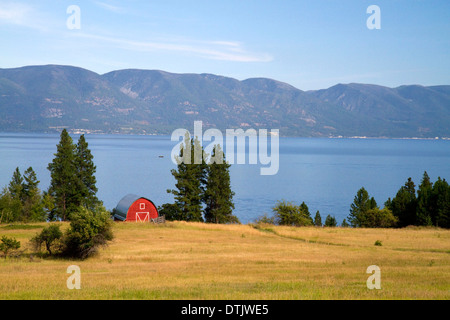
column 330, row 221
column 286, row 213
column 8, row 245
column 378, row 218
column 89, row 230
column 50, row 237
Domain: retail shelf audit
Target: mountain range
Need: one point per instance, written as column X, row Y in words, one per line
column 51, row 97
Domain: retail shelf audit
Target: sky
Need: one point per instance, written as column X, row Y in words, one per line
column 311, row 44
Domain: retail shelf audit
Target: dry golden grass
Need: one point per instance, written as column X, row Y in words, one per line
column 181, row 260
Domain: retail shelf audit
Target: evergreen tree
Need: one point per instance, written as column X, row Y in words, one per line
column 33, row 206
column 344, row 224
column 86, row 175
column 424, row 207
column 10, row 207
column 286, row 213
column 440, row 203
column 318, row 219
column 190, row 180
column 218, row 194
column 16, row 185
column 30, row 184
column 330, row 221
column 305, row 211
column 404, row 204
column 360, row 205
column 65, row 184
column 372, row 203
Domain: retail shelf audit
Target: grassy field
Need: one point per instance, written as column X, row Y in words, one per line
column 181, row 260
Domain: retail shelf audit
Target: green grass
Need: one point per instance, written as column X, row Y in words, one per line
column 181, row 260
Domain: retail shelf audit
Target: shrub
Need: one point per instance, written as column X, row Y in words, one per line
column 89, row 230
column 50, row 237
column 286, row 213
column 265, row 219
column 330, row 221
column 8, row 244
column 378, row 243
column 378, row 218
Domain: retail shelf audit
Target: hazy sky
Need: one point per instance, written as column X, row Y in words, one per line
column 310, row 44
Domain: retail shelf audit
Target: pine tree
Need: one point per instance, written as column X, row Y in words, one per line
column 318, row 219
column 305, row 211
column 190, row 180
column 30, row 184
column 440, row 202
column 404, row 204
column 218, row 194
column 330, row 221
column 64, row 185
column 424, row 207
column 345, row 224
column 33, row 206
column 16, row 185
column 86, row 175
column 360, row 205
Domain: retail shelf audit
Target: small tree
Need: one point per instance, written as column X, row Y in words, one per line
column 361, row 203
column 8, row 245
column 287, row 213
column 49, row 236
column 330, row 221
column 89, row 230
column 318, row 220
column 344, row 224
column 403, row 206
column 378, row 218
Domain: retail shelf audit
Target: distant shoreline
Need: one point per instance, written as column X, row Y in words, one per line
column 87, row 132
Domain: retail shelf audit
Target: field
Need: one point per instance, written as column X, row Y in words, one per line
column 181, row 260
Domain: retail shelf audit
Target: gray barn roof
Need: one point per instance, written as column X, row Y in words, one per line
column 121, row 210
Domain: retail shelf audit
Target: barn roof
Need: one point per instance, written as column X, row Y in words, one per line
column 122, row 207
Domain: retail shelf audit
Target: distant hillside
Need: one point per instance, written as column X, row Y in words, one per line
column 48, row 98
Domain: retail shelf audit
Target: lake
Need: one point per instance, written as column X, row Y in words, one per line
column 324, row 173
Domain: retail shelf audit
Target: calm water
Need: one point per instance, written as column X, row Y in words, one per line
column 325, row 173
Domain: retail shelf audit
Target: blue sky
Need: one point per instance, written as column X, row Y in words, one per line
column 308, row 44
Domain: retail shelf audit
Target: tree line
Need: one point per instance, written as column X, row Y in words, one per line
column 73, row 185
column 202, row 190
column 428, row 206
column 71, row 196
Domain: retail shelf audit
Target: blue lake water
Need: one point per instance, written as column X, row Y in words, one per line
column 325, row 173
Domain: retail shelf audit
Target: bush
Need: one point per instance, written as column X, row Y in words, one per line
column 378, row 243
column 286, row 213
column 265, row 219
column 50, row 237
column 88, row 231
column 378, row 218
column 8, row 244
column 330, row 221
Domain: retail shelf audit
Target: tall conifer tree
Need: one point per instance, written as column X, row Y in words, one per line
column 64, row 185
column 190, row 180
column 86, row 175
column 218, row 193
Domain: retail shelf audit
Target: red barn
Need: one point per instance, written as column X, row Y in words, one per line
column 136, row 209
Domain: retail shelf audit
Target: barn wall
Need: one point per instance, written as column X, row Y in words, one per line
column 135, row 208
